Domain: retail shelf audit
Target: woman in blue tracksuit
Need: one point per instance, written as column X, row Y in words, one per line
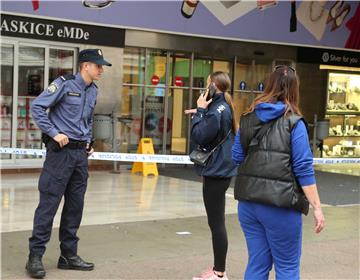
column 212, row 122
column 273, row 234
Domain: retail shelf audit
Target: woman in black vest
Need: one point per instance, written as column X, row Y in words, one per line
column 276, row 180
column 213, row 125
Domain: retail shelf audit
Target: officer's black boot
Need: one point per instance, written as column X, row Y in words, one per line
column 34, row 267
column 74, row 262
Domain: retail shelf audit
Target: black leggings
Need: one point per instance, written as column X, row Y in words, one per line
column 214, row 190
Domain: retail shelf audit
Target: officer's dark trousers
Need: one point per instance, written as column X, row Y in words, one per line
column 65, row 173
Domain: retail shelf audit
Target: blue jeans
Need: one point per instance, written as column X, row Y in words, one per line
column 273, row 236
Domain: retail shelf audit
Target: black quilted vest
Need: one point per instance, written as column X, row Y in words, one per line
column 266, row 175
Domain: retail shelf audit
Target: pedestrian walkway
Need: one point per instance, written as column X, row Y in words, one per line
column 130, row 227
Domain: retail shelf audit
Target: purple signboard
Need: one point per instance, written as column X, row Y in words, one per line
column 334, row 24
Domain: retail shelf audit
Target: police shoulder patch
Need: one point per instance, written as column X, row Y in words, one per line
column 52, row 88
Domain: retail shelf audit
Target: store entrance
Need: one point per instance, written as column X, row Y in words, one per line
column 158, row 86
column 166, row 96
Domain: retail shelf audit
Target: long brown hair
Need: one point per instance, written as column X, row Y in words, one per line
column 222, row 82
column 282, row 85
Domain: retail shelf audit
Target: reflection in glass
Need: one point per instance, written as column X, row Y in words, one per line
column 6, row 97
column 131, row 97
column 155, row 80
column 177, row 123
column 202, row 69
column 31, row 84
column 61, row 63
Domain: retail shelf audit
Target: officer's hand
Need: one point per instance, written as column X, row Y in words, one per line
column 62, row 139
column 89, row 150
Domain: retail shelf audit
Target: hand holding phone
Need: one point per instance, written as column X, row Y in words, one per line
column 204, row 100
column 211, row 91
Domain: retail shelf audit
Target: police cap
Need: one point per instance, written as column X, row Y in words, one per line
column 94, row 56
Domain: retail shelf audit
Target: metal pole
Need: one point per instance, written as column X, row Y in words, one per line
column 191, row 83
column 314, row 135
column 166, row 103
column 114, row 140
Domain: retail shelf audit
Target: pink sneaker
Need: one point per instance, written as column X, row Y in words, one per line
column 209, row 274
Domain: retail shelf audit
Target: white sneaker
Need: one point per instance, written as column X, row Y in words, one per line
column 209, row 274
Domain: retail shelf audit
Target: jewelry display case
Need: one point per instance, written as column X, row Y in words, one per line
column 343, row 111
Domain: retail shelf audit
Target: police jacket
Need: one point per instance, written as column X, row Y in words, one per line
column 208, row 127
column 71, row 104
column 267, row 168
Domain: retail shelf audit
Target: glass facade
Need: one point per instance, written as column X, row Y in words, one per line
column 6, row 95
column 26, row 69
column 159, row 85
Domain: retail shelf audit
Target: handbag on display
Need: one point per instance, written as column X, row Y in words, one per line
column 201, row 156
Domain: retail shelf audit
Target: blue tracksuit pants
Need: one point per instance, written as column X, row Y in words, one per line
column 273, row 236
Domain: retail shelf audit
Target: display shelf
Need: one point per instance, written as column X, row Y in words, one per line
column 344, row 136
column 354, row 113
column 343, row 105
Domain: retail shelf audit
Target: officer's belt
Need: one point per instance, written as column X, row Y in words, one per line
column 73, row 144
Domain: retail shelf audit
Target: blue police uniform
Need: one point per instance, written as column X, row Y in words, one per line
column 71, row 105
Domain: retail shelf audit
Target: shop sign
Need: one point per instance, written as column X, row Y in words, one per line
column 328, row 57
column 155, row 80
column 43, row 29
column 242, row 85
column 178, row 81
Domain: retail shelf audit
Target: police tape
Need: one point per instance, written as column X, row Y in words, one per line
column 176, row 159
column 108, row 156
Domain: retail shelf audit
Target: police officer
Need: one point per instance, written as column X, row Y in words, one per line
column 67, row 134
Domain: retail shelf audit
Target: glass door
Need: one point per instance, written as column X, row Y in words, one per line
column 177, row 124
column 155, row 97
column 201, row 70
column 132, row 99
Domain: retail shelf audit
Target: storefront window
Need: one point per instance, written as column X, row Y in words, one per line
column 262, row 71
column 6, row 97
column 61, row 63
column 243, row 86
column 343, row 113
column 30, row 85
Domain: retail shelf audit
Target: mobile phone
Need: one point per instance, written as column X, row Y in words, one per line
column 212, row 91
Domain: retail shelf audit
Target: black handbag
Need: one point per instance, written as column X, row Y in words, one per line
column 201, row 156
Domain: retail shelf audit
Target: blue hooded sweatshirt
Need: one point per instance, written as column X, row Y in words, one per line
column 302, row 159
